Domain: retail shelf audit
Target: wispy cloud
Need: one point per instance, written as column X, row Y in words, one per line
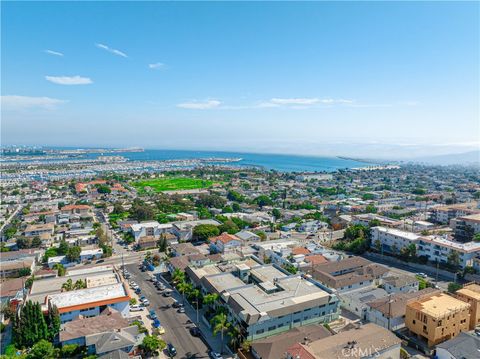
column 69, row 80
column 300, row 102
column 157, row 66
column 112, row 51
column 14, row 102
column 200, row 105
column 54, row 53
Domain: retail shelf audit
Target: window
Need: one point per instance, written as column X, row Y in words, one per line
column 296, row 320
column 413, row 321
column 272, row 328
column 260, row 331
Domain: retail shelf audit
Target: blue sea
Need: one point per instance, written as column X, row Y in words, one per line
column 281, row 163
column 278, row 162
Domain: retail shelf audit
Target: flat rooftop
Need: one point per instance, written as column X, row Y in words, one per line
column 439, row 305
column 471, row 290
column 103, row 276
column 294, row 293
column 399, row 233
column 89, row 295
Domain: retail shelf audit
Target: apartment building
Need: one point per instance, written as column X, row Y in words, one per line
column 366, row 218
column 437, row 317
column 349, row 274
column 434, row 248
column 38, row 230
column 392, row 240
column 466, row 227
column 104, row 288
column 470, row 293
column 151, row 229
column 389, row 311
column 443, row 214
column 265, row 300
column 439, row 248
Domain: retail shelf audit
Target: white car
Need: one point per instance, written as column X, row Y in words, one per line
column 135, row 308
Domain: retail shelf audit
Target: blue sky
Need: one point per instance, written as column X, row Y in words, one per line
column 269, row 77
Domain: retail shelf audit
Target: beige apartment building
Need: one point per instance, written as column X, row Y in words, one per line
column 437, row 318
column 470, row 293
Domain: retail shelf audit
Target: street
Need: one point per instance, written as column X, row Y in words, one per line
column 175, row 324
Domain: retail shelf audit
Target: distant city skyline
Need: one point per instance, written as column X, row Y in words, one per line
column 372, row 79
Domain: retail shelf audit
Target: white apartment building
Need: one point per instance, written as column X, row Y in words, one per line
column 392, row 240
column 153, row 229
column 435, row 248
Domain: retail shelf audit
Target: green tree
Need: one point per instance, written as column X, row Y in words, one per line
column 53, row 322
column 453, row 287
column 36, row 242
column 453, row 259
column 60, row 269
column 277, row 214
column 229, row 226
column 68, row 285
column 203, row 232
column 69, row 350
column 476, row 237
column 178, row 276
column 73, row 253
column 211, row 201
column 210, row 299
column 29, row 325
column 43, row 349
column 220, row 324
column 235, row 196
column 262, row 201
column 103, row 189
column 371, row 209
column 62, row 248
column 151, row 344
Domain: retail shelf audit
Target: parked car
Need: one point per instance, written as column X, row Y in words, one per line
column 214, row 355
column 195, row 331
column 138, row 290
column 177, row 305
column 152, row 314
column 171, row 350
column 161, row 330
column 167, row 293
column 100, row 261
column 181, row 310
column 156, row 323
column 135, row 308
column 146, row 302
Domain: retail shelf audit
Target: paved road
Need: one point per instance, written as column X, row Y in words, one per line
column 175, row 324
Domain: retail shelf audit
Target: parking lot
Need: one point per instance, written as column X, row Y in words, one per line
column 177, row 325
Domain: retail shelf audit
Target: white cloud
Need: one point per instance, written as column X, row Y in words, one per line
column 156, row 66
column 112, row 51
column 195, row 105
column 55, row 53
column 299, row 102
column 294, row 101
column 69, row 80
column 14, row 102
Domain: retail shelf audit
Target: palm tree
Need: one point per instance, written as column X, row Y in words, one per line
column 210, row 299
column 184, row 287
column 195, row 293
column 80, row 284
column 220, row 324
column 235, row 336
column 68, row 285
column 178, row 276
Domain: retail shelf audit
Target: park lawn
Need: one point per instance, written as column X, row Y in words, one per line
column 172, row 184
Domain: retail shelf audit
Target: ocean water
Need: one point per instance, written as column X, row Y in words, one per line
column 282, row 163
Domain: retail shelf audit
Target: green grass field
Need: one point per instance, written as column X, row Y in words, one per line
column 172, row 184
